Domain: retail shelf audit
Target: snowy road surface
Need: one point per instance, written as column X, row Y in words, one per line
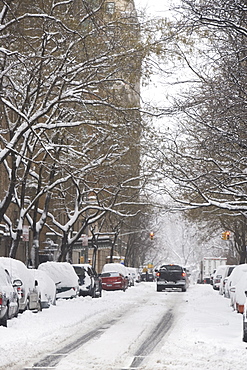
column 136, row 329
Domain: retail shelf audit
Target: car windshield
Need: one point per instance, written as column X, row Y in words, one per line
column 79, row 270
column 230, row 270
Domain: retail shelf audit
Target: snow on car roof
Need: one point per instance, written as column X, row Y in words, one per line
column 60, row 272
column 17, row 270
column 115, row 267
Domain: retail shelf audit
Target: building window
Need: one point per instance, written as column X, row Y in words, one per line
column 110, row 8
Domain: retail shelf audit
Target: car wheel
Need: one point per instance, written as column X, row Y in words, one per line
column 159, row 288
column 184, row 289
column 98, row 294
column 17, row 311
column 39, row 305
column 244, row 332
column 244, row 336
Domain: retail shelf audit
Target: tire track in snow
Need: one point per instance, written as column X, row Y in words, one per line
column 50, row 361
column 151, row 342
column 156, row 333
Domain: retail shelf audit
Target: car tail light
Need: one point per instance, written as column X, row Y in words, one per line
column 158, row 274
column 20, row 292
column 183, row 274
column 1, row 299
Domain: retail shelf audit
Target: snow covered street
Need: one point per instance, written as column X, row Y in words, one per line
column 136, row 329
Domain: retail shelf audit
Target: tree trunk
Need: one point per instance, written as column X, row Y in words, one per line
column 64, row 249
column 15, row 243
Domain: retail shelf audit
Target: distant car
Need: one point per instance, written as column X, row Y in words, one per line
column 226, row 273
column 218, row 276
column 46, row 288
column 134, row 273
column 9, row 302
column 29, row 297
column 131, row 277
column 212, row 277
column 119, row 267
column 147, row 276
column 113, row 280
column 89, row 281
column 64, row 276
column 172, row 276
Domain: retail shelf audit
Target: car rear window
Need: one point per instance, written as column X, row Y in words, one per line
column 110, row 274
column 171, row 268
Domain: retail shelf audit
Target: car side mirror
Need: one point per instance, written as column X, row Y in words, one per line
column 17, row 283
column 36, row 283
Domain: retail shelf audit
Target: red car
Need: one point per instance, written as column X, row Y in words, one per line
column 113, row 281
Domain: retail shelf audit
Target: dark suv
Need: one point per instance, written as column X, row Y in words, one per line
column 172, row 276
column 89, row 281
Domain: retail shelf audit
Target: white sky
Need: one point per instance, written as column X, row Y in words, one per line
column 206, row 334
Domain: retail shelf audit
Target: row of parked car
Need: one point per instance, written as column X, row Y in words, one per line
column 22, row 288
column 231, row 282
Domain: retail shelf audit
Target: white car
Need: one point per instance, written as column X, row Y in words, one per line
column 226, row 273
column 245, row 321
column 134, row 275
column 46, row 287
column 28, row 294
column 89, row 281
column 236, row 285
column 9, row 302
column 220, row 271
column 64, row 276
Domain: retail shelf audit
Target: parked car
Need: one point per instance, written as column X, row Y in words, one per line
column 118, row 267
column 226, row 273
column 147, row 276
column 220, row 271
column 245, row 320
column 46, row 288
column 29, row 297
column 135, row 276
column 9, row 301
column 64, row 276
column 212, row 277
column 236, row 286
column 113, row 280
column 172, row 276
column 89, row 281
column 131, row 277
column 237, row 293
